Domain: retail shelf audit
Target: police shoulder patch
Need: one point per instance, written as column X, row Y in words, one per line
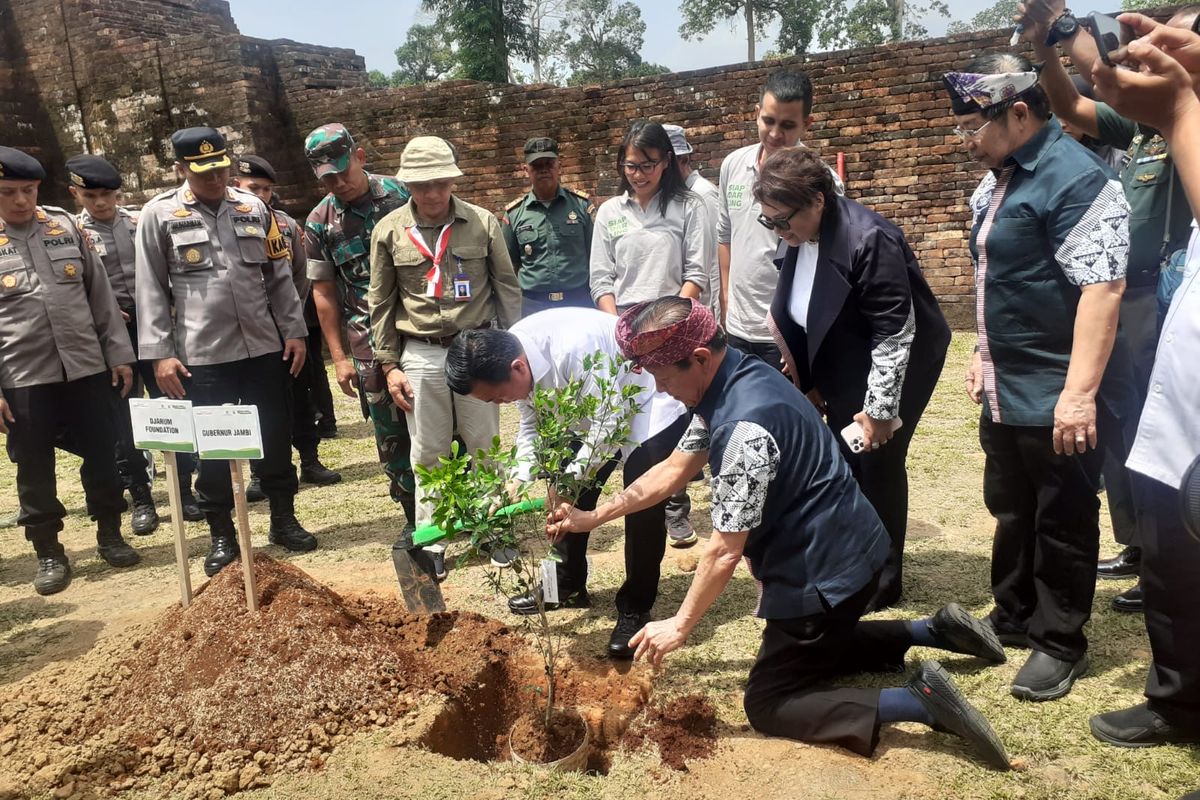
column 276, row 243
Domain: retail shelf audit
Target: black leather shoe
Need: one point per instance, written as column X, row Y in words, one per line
column 1007, row 637
column 959, row 632
column 191, row 509
column 1130, row 601
column 287, row 532
column 1045, row 677
column 223, row 550
column 327, row 429
column 952, row 713
column 53, row 573
column 525, row 605
column 316, row 473
column 1126, row 564
column 1138, row 727
column 144, row 519
column 254, row 492
column 627, row 626
column 112, row 547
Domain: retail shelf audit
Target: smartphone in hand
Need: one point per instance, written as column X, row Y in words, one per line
column 1108, row 33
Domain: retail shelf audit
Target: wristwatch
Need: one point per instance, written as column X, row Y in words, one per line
column 1062, row 28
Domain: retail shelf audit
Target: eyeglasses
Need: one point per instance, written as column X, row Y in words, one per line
column 645, row 168
column 968, row 135
column 777, row 223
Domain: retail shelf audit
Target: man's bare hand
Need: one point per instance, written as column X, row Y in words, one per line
column 974, row 379
column 347, row 376
column 167, row 374
column 1074, row 423
column 565, row 518
column 657, row 639
column 400, row 389
column 295, row 350
column 122, row 376
column 6, row 416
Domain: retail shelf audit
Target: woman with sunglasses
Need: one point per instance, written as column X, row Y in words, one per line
column 652, row 239
column 860, row 331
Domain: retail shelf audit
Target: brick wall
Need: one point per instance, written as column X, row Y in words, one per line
column 118, row 76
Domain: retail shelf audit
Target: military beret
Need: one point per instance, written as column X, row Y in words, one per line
column 540, row 147
column 255, row 167
column 202, row 149
column 92, row 172
column 18, row 166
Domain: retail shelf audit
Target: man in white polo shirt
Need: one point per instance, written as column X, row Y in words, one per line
column 745, row 249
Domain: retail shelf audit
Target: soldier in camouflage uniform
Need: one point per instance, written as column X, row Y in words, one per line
column 337, row 240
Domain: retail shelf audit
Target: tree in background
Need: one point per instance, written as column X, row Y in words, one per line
column 548, row 39
column 425, row 56
column 998, row 16
column 604, row 42
column 701, row 16
column 863, row 23
column 485, row 33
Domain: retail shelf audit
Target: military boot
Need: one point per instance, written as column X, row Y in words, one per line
column 144, row 519
column 111, row 546
column 286, row 530
column 254, row 492
column 53, row 569
column 314, row 472
column 187, row 500
column 223, row 548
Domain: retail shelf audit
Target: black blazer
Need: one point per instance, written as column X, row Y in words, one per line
column 867, row 280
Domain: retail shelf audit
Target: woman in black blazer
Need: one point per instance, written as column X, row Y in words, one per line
column 860, row 331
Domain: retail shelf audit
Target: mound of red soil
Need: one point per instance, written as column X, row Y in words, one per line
column 685, row 729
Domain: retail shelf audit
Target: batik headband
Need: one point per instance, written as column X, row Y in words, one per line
column 665, row 346
column 971, row 92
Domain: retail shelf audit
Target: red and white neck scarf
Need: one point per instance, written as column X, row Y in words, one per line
column 433, row 278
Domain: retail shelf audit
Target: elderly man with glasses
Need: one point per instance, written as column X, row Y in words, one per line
column 1050, row 240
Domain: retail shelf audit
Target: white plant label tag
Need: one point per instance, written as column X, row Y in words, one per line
column 549, row 581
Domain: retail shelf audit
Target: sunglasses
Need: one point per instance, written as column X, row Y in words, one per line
column 777, row 223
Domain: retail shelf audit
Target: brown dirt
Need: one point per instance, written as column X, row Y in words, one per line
column 213, row 700
column 540, row 743
column 685, row 729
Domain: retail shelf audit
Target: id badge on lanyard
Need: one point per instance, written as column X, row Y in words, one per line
column 462, row 284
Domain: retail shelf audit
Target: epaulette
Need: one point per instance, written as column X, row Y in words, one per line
column 161, row 196
column 515, row 203
column 41, row 214
column 579, row 194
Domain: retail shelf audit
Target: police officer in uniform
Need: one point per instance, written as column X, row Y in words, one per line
column 256, row 176
column 62, row 350
column 219, row 254
column 548, row 231
column 95, row 185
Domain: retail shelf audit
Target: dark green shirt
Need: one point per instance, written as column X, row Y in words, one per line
column 1147, row 179
column 549, row 244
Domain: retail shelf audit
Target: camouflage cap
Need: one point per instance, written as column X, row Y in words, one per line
column 328, row 149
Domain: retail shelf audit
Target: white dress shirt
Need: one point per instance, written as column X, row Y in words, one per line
column 1168, row 437
column 802, row 284
column 556, row 342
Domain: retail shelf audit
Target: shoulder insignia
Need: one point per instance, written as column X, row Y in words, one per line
column 181, row 213
column 244, row 208
column 579, row 194
column 3, row 240
column 515, row 203
column 41, row 215
column 276, row 244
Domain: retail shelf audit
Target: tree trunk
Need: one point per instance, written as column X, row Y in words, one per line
column 749, row 30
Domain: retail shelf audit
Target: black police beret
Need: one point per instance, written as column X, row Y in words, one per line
column 92, row 172
column 255, row 167
column 18, row 166
column 201, row 149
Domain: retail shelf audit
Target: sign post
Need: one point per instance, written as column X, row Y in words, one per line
column 166, row 425
column 233, row 433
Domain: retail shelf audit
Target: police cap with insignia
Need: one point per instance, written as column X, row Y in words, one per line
column 328, row 149
column 18, row 166
column 256, row 167
column 540, row 147
column 92, row 172
column 202, row 149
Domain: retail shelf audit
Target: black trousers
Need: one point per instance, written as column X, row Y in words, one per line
column 1170, row 565
column 787, row 693
column 1047, row 536
column 322, row 395
column 1139, row 324
column 645, row 531
column 767, row 351
column 263, row 382
column 78, row 415
column 535, row 301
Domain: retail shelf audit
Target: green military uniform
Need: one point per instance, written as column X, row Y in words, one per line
column 550, row 244
column 337, row 237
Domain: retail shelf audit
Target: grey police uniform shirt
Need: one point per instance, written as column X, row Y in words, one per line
column 298, row 258
column 113, row 242
column 58, row 317
column 218, row 270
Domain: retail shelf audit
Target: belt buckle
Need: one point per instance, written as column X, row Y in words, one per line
column 556, row 297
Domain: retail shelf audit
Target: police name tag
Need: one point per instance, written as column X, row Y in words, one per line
column 162, row 425
column 228, row 432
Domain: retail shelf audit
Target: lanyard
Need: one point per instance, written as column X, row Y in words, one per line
column 433, row 278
